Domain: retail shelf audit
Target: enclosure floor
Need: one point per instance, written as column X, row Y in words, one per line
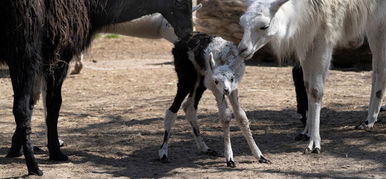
column 111, row 122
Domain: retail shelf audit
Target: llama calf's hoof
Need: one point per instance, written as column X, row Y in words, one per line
column 164, row 159
column 302, row 137
column 264, row 160
column 307, row 151
column 37, row 172
column 316, row 151
column 211, row 152
column 58, row 157
column 13, row 153
column 231, row 164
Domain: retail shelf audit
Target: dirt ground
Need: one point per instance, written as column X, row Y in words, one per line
column 111, row 122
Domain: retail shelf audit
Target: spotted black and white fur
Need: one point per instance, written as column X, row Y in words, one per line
column 207, row 62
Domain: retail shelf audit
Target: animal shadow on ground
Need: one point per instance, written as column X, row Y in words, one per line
column 130, row 148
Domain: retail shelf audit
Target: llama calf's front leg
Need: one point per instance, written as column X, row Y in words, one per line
column 225, row 118
column 244, row 126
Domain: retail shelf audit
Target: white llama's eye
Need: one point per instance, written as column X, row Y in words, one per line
column 264, row 27
column 215, row 81
column 232, row 79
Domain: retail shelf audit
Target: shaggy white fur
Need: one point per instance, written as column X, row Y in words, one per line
column 311, row 29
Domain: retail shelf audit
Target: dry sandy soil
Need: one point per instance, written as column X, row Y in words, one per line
column 111, row 122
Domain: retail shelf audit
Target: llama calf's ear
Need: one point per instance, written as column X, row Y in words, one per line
column 212, row 63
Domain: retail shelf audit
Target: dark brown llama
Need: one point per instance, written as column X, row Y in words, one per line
column 39, row 38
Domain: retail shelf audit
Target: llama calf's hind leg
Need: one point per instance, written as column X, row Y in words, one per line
column 244, row 125
column 169, row 120
column 171, row 115
column 190, row 109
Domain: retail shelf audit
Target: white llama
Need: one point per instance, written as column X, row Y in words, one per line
column 311, row 29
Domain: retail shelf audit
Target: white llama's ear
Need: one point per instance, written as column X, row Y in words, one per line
column 197, row 7
column 277, row 4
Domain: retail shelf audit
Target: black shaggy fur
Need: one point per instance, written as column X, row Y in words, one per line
column 301, row 93
column 38, row 38
column 190, row 81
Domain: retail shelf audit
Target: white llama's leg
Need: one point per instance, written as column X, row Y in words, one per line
column 244, row 126
column 315, row 68
column 225, row 118
column 377, row 42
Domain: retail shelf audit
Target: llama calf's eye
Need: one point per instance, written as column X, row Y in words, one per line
column 215, row 81
column 264, row 27
column 232, row 79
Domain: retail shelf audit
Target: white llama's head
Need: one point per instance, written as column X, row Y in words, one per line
column 224, row 78
column 256, row 23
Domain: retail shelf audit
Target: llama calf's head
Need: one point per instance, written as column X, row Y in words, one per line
column 256, row 22
column 221, row 77
column 224, row 69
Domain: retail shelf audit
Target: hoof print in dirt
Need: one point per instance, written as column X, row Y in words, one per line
column 302, row 137
column 211, row 152
column 231, row 164
column 164, row 159
column 264, row 160
column 59, row 157
column 316, row 151
column 36, row 172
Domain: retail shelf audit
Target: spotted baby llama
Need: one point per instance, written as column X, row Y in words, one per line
column 203, row 62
